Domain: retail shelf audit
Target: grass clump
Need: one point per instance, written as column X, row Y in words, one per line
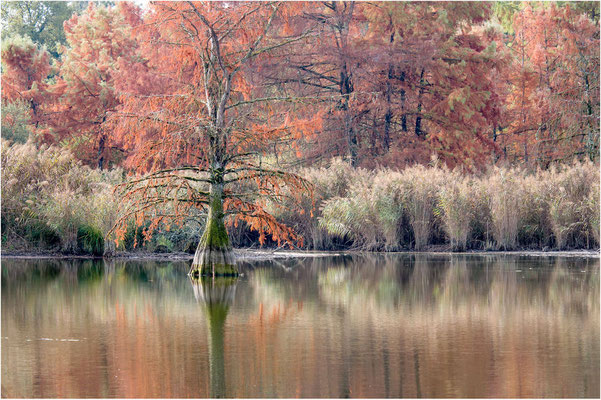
column 352, row 217
column 534, row 228
column 421, row 187
column 388, row 202
column 593, row 211
column 47, row 196
column 504, row 200
column 456, row 209
column 90, row 240
column 572, row 208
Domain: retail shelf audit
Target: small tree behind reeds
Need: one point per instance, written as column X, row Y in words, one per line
column 534, row 228
column 481, row 226
column 328, row 182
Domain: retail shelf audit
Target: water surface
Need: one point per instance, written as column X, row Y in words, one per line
column 360, row 326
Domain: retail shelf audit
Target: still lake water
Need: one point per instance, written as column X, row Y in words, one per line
column 352, row 326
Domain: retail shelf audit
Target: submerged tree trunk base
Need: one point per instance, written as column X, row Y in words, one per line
column 213, row 262
column 214, row 255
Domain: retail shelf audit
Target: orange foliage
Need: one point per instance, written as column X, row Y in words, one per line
column 194, row 119
column 553, row 98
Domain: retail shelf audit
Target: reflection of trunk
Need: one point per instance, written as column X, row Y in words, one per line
column 216, row 318
column 418, row 119
column 386, row 364
column 418, row 387
column 214, row 255
column 345, row 367
column 217, row 295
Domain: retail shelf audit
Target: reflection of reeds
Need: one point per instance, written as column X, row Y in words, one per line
column 455, row 323
column 440, row 326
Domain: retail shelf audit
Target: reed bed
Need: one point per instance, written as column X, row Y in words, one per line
column 425, row 207
column 51, row 201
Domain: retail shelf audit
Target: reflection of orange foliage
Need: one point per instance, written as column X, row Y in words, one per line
column 406, row 329
column 276, row 313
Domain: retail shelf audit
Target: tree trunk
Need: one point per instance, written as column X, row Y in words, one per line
column 351, row 136
column 388, row 116
column 346, row 89
column 404, row 115
column 418, row 119
column 101, row 152
column 214, row 255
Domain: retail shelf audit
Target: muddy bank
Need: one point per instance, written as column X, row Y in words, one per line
column 251, row 254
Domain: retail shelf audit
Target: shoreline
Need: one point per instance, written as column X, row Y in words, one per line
column 261, row 255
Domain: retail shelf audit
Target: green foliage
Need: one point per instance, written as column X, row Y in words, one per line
column 42, row 21
column 163, row 245
column 90, row 240
column 42, row 235
column 183, row 238
column 504, row 12
column 15, row 121
column 134, row 236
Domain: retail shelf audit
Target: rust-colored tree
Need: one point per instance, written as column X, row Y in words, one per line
column 99, row 42
column 26, row 68
column 406, row 80
column 197, row 126
column 432, row 81
column 553, row 99
column 324, row 66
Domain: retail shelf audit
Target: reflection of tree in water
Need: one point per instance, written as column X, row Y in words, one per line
column 359, row 326
column 216, row 295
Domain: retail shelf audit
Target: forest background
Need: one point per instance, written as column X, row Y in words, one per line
column 417, row 125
